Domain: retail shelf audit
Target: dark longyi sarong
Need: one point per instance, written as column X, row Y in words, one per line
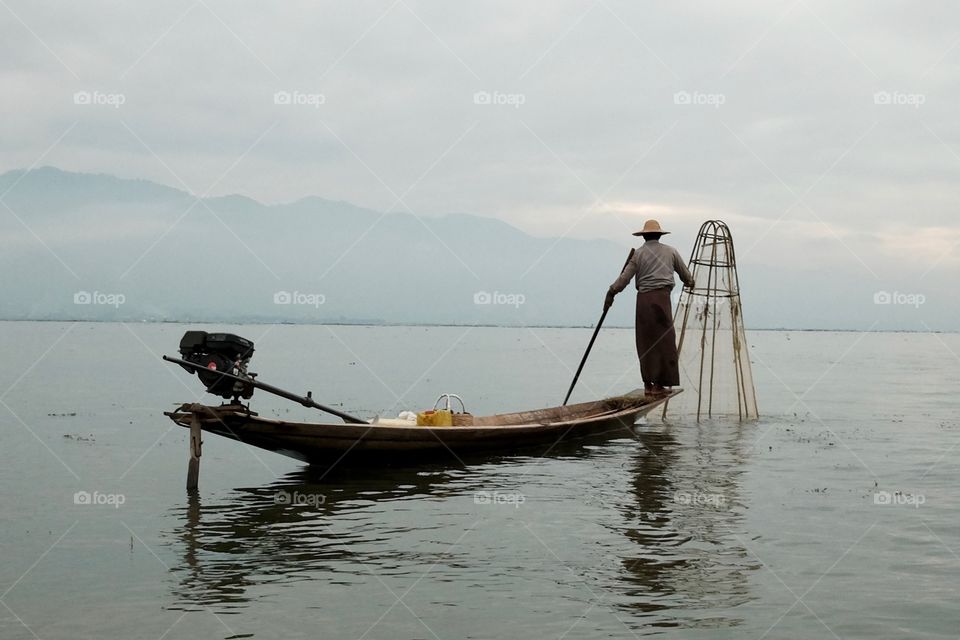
column 656, row 339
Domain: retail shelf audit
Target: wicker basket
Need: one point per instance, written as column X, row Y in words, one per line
column 462, row 419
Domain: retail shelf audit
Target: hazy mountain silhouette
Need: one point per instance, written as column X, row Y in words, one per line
column 174, row 257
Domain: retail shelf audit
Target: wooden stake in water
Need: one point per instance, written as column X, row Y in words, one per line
column 193, row 468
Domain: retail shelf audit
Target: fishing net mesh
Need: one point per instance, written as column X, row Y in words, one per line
column 715, row 370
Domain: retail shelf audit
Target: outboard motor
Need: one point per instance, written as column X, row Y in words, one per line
column 219, row 352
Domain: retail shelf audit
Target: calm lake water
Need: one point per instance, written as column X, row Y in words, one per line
column 712, row 530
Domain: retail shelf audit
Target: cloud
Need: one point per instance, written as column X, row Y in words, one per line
column 797, row 157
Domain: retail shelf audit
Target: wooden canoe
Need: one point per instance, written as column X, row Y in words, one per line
column 322, row 443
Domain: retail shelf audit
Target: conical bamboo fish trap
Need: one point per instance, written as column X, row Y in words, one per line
column 714, row 361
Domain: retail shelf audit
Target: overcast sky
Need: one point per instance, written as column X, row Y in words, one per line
column 824, row 133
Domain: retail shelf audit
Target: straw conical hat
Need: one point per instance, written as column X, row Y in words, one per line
column 651, row 226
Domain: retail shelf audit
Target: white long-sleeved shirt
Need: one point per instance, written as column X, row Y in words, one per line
column 652, row 267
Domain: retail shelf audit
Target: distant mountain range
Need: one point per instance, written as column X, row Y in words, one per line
column 77, row 246
column 97, row 247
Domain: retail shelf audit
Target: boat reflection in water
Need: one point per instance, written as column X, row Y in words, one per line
column 674, row 558
column 282, row 533
column 685, row 520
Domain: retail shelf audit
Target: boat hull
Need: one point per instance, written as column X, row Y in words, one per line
column 322, row 443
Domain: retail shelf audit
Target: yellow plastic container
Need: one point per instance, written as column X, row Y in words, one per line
column 435, row 418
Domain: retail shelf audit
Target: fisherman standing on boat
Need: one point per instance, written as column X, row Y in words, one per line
column 652, row 267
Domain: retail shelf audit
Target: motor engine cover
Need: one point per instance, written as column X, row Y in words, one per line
column 219, row 352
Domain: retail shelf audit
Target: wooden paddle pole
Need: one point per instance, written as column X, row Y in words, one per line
column 593, row 338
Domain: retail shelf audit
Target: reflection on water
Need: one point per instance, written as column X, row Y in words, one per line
column 675, row 561
column 684, row 520
column 629, row 535
column 280, row 533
